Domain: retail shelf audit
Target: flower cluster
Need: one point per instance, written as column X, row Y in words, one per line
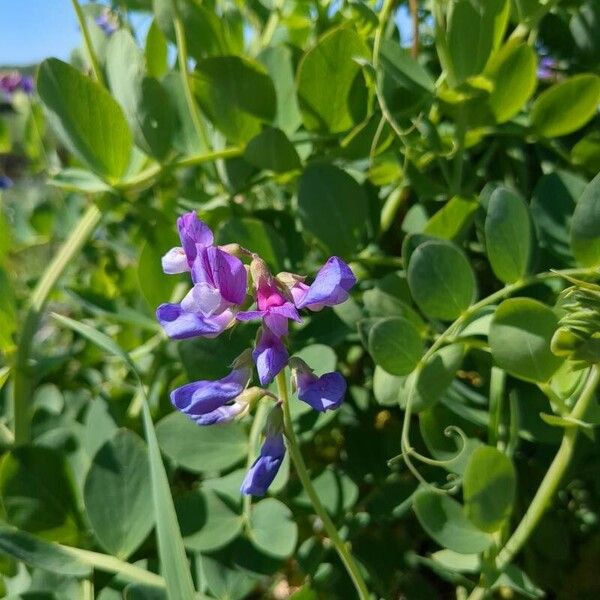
column 217, row 300
column 13, row 81
column 107, row 22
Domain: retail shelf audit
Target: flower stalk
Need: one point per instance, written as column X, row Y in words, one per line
column 340, row 545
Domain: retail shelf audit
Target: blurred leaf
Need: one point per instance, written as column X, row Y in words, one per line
column 335, row 489
column 441, row 280
column 38, row 494
column 118, row 495
column 272, row 150
column 155, row 52
column 78, row 180
column 341, row 103
column 272, row 529
column 207, row 523
column 585, row 229
column 327, row 195
column 236, row 94
column 489, row 484
column 225, row 583
column 520, row 337
column 201, row 449
column 395, row 345
column 155, row 287
column 512, row 70
column 8, row 312
column 566, row 106
column 508, row 236
column 442, row 518
column 388, row 389
column 90, row 123
column 586, row 152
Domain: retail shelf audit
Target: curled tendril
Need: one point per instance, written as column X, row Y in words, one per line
column 450, row 431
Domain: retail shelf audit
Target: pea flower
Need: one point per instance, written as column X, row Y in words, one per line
column 330, row 287
column 14, row 81
column 264, row 469
column 106, row 22
column 213, row 304
column 5, row 182
column 321, row 393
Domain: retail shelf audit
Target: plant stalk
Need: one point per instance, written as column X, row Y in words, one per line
column 87, row 39
column 296, row 455
column 23, row 377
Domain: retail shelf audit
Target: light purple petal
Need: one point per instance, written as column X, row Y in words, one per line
column 322, row 393
column 175, row 261
column 193, row 232
column 270, row 356
column 265, row 467
column 331, row 285
column 179, row 324
column 250, row 315
column 222, row 271
column 203, row 397
column 276, row 323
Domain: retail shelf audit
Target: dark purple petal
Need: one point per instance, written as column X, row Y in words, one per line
column 270, row 356
column 250, row 315
column 222, row 271
column 322, row 393
column 179, row 324
column 5, row 182
column 330, row 287
column 193, row 232
column 265, row 467
column 203, row 397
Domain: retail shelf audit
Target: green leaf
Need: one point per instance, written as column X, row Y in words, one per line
column 395, row 345
column 327, row 195
column 201, row 449
column 145, row 102
column 585, row 228
column 489, row 484
column 236, row 94
column 89, row 121
column 40, row 554
column 443, row 519
column 78, row 180
column 225, row 583
column 512, row 70
column 566, row 106
column 335, row 489
column 565, row 421
column 118, row 494
column 278, row 62
column 257, row 236
column 170, row 545
column 272, row 528
column 8, row 312
column 441, row 280
column 473, row 30
column 155, row 52
column 341, row 103
column 520, row 337
column 436, row 375
column 272, row 150
column 155, row 288
column 508, row 236
column 207, row 523
column 38, row 493
column 453, row 220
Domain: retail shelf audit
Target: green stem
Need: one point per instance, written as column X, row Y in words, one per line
column 549, row 485
column 23, row 377
column 88, row 42
column 340, row 545
column 459, row 159
column 497, row 384
column 185, row 80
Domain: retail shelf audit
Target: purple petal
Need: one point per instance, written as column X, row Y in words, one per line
column 222, row 415
column 250, row 315
column 193, row 232
column 175, row 261
column 179, row 324
column 222, row 271
column 270, row 356
column 330, row 287
column 322, row 393
column 203, row 397
column 5, row 182
column 265, row 467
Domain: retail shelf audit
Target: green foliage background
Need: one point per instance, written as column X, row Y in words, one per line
column 456, row 172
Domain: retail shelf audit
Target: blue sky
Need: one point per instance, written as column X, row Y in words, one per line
column 31, row 30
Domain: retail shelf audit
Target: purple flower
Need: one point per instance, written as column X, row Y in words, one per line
column 220, row 282
column 273, row 306
column 322, row 393
column 5, row 182
column 546, row 70
column 330, row 287
column 106, row 22
column 193, row 233
column 270, row 356
column 264, row 469
column 14, row 81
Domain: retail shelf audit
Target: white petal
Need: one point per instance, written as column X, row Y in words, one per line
column 175, row 261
